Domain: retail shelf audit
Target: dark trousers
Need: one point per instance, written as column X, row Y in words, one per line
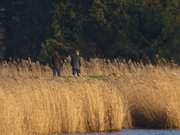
column 76, row 72
column 56, row 72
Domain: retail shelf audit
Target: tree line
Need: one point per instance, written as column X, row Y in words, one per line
column 127, row 29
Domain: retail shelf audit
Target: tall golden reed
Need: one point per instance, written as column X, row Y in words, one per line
column 36, row 106
column 152, row 94
column 108, row 96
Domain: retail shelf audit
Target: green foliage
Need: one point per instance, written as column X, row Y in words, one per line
column 130, row 29
column 28, row 24
column 119, row 28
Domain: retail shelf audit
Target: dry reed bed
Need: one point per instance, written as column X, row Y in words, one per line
column 36, row 106
column 95, row 67
column 108, row 96
column 153, row 97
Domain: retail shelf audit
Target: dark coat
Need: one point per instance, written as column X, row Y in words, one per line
column 75, row 62
column 57, row 61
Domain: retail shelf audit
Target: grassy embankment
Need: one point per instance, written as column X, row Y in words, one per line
column 108, row 97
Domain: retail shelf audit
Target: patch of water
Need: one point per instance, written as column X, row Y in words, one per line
column 141, row 132
column 149, row 132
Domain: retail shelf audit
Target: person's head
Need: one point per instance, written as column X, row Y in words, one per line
column 56, row 53
column 77, row 52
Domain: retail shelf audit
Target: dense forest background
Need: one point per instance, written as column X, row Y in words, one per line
column 127, row 29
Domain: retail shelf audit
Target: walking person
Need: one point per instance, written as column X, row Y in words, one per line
column 57, row 64
column 76, row 64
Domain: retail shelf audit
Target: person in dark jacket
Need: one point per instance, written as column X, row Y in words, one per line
column 76, row 64
column 57, row 64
